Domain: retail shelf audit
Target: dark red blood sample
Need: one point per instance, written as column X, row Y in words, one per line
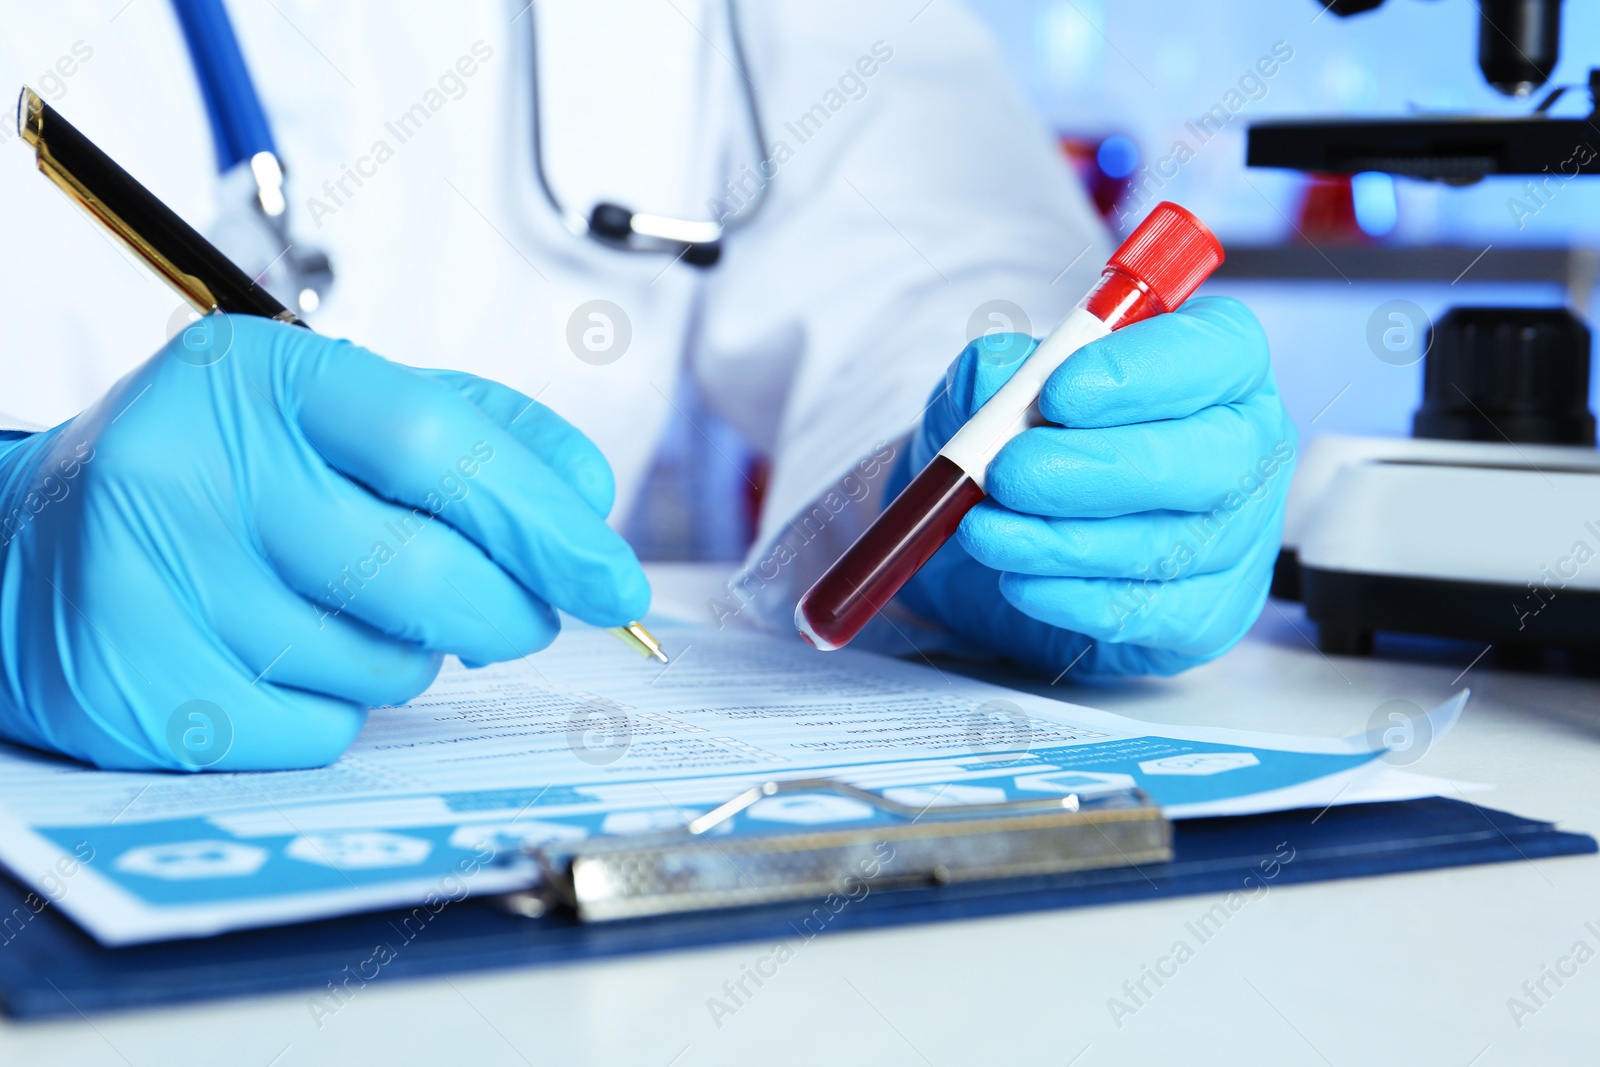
column 905, row 536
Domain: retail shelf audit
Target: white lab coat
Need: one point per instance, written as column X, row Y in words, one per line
column 909, row 199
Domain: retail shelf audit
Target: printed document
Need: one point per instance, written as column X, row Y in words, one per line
column 444, row 796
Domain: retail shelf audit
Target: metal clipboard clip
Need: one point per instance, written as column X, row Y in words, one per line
column 731, row 857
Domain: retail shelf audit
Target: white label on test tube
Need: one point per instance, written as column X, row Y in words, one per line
column 1012, row 409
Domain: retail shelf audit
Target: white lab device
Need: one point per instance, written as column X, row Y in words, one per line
column 1491, row 540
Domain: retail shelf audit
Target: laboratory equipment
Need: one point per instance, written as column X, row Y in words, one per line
column 1518, row 43
column 1485, row 525
column 1481, row 526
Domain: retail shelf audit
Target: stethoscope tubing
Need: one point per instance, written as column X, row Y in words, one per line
column 581, row 224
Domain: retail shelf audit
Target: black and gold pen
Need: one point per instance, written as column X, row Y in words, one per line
column 202, row 275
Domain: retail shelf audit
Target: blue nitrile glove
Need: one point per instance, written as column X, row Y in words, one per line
column 261, row 532
column 1140, row 531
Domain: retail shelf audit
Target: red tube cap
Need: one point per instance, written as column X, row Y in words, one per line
column 1171, row 252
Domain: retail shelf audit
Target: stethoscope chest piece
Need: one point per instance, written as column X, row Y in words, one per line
column 697, row 243
column 252, row 230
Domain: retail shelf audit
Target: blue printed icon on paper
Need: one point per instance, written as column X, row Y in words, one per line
column 183, row 861
column 359, row 850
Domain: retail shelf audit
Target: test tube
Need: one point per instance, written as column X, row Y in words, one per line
column 1156, row 269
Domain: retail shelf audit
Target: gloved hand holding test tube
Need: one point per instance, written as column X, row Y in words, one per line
column 1156, row 269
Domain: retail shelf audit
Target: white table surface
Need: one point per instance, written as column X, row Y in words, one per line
column 1404, row 969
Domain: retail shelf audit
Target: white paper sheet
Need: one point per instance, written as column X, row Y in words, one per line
column 437, row 799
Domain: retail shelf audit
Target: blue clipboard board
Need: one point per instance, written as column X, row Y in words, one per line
column 48, row 967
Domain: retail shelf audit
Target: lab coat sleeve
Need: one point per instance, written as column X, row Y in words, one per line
column 909, row 189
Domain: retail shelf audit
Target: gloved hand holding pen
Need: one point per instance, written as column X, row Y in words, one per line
column 288, row 529
column 1138, row 533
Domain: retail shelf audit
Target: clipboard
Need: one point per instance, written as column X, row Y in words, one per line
column 52, row 969
column 726, row 859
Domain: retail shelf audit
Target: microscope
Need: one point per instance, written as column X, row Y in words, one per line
column 1518, row 45
column 1484, row 525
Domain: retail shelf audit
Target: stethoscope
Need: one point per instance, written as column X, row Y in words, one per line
column 303, row 275
column 695, row 241
column 299, row 275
